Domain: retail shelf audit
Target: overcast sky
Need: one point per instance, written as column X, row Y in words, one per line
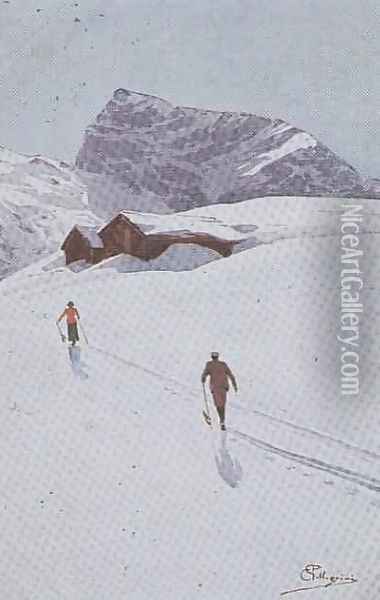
column 315, row 63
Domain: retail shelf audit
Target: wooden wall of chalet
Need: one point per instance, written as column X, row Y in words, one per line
column 96, row 255
column 153, row 245
column 121, row 237
column 76, row 248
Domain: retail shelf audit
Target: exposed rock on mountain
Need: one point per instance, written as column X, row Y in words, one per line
column 146, row 154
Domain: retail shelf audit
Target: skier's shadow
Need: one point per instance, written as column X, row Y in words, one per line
column 229, row 468
column 76, row 363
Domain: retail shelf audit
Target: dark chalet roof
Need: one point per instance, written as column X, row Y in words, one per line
column 122, row 218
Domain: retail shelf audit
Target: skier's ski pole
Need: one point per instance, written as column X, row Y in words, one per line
column 63, row 338
column 83, row 331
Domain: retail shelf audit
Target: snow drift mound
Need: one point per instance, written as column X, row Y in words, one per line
column 179, row 257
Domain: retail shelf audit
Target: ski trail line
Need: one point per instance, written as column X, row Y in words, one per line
column 129, row 363
column 124, row 361
column 353, row 476
column 309, row 431
column 195, row 394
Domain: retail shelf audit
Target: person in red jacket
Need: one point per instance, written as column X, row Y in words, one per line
column 72, row 317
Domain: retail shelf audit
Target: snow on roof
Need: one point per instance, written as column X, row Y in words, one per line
column 91, row 235
column 184, row 223
column 127, row 219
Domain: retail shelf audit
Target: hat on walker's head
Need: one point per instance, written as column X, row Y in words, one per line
column 214, row 355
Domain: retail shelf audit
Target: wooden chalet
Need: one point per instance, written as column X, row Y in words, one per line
column 83, row 243
column 122, row 236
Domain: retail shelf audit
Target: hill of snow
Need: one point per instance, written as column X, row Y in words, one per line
column 114, row 487
column 144, row 154
column 249, row 223
column 40, row 200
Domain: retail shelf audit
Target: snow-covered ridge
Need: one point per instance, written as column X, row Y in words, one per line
column 40, row 199
column 250, row 224
column 13, row 158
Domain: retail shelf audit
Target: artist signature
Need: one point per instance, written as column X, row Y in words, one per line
column 317, row 577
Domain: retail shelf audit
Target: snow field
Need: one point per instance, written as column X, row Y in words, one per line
column 113, row 486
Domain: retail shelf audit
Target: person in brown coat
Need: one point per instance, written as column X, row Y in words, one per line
column 220, row 374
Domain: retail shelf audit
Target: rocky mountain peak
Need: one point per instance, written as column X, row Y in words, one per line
column 159, row 157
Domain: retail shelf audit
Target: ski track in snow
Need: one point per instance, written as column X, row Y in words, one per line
column 360, row 479
column 133, row 364
column 230, row 469
column 313, row 432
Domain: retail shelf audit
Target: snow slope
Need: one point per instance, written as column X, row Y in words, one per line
column 250, row 223
column 40, row 200
column 113, row 487
column 260, row 219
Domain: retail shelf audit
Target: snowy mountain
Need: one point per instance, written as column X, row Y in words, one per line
column 40, row 200
column 145, row 154
column 112, row 480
